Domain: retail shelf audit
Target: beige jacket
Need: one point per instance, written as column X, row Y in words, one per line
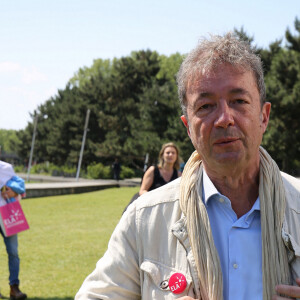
column 150, row 243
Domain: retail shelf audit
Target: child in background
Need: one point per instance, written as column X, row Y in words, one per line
column 9, row 193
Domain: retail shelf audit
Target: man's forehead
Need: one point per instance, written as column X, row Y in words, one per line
column 205, row 78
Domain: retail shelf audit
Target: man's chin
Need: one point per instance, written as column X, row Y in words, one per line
column 228, row 158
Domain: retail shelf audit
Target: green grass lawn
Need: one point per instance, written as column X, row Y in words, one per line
column 67, row 236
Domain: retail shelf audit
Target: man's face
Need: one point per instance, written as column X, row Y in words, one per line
column 225, row 119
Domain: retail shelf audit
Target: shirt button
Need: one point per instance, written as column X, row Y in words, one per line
column 235, row 266
column 221, row 200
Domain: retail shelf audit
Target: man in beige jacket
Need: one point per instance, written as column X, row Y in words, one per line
column 230, row 227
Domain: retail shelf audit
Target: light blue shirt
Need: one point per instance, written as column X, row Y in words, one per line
column 238, row 242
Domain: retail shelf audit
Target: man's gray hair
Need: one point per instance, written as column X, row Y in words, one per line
column 214, row 51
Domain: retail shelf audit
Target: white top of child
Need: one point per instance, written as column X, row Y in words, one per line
column 6, row 173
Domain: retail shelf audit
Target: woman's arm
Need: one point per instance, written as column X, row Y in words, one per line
column 147, row 180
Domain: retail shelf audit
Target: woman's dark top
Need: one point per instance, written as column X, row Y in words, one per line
column 158, row 180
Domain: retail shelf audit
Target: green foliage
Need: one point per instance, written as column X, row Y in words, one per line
column 39, row 169
column 99, row 171
column 133, row 102
column 126, row 172
column 293, row 40
column 282, row 139
column 243, row 36
column 67, row 236
column 68, row 171
column 8, row 140
column 47, row 168
column 20, row 169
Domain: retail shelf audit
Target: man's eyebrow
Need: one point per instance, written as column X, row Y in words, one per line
column 239, row 91
column 205, row 95
column 209, row 95
column 232, row 91
column 202, row 96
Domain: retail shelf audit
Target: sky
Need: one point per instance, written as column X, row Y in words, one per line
column 43, row 43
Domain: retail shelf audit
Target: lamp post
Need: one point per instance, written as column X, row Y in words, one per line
column 32, row 146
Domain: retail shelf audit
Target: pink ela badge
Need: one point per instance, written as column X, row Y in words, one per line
column 177, row 283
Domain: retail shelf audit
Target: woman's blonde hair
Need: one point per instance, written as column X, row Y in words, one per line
column 161, row 154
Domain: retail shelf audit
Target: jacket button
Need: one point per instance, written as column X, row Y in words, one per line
column 164, row 284
column 177, row 283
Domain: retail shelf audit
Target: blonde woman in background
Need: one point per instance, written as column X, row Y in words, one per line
column 165, row 171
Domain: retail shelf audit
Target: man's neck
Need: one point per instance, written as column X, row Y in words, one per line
column 240, row 187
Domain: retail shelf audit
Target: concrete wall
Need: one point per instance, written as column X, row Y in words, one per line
column 33, row 192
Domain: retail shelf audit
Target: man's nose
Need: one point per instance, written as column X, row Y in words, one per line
column 224, row 116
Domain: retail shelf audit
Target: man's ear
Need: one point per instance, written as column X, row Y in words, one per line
column 186, row 124
column 266, row 109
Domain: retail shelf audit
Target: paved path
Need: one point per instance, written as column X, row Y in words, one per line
column 52, row 185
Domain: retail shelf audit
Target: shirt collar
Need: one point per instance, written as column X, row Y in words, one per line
column 256, row 205
column 210, row 190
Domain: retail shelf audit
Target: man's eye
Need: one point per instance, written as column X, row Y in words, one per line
column 240, row 101
column 205, row 106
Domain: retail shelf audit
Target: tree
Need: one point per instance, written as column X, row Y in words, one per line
column 8, row 138
column 293, row 40
column 282, row 139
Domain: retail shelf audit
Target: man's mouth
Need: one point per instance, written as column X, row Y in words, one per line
column 225, row 141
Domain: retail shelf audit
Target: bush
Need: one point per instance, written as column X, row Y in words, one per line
column 65, row 171
column 51, row 169
column 97, row 171
column 94, row 171
column 20, row 169
column 42, row 168
column 69, row 171
column 126, row 172
column 55, row 171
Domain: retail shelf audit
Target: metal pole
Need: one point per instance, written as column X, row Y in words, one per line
column 83, row 142
column 32, row 146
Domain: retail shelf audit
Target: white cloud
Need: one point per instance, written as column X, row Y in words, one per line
column 22, row 89
column 32, row 75
column 8, row 66
column 18, row 101
column 27, row 75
